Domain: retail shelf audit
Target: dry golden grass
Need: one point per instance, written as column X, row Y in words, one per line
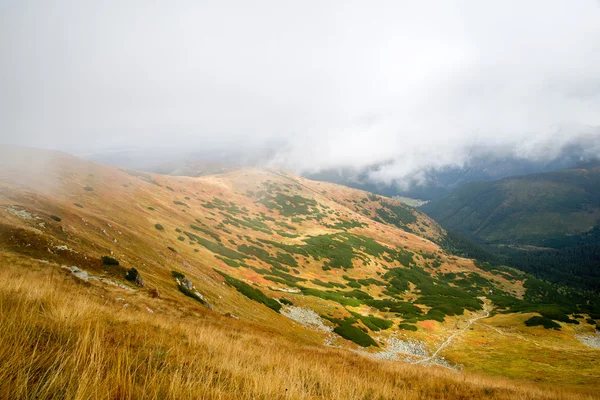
column 62, row 339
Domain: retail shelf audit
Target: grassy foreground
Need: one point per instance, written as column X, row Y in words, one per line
column 64, row 339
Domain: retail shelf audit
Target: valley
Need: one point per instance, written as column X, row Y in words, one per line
column 258, row 281
column 547, row 224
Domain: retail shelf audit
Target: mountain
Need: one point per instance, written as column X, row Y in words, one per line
column 551, row 219
column 259, row 283
column 435, row 184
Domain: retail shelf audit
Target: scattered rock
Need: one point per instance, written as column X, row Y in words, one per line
column 230, row 315
column 187, row 287
column 306, row 317
column 149, row 310
column 285, row 290
column 64, row 247
column 19, row 213
column 84, row 276
column 590, row 340
column 187, row 283
column 154, row 293
column 78, row 273
column 394, row 345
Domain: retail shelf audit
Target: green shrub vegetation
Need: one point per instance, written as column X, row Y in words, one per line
column 246, row 222
column 216, row 248
column 231, row 263
column 288, row 206
column 407, row 327
column 206, row 231
column 345, row 224
column 287, row 259
column 132, row 274
column 250, row 292
column 321, row 283
column 374, row 323
column 350, row 332
column 106, row 260
column 159, row 227
column 56, row 218
column 399, row 215
column 547, row 323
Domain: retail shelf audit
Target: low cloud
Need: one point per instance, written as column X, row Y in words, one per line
column 315, row 85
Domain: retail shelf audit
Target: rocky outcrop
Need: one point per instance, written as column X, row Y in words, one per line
column 186, row 287
column 134, row 276
column 306, row 317
column 187, row 283
column 86, row 277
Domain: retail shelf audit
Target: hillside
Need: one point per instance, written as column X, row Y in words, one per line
column 524, row 218
column 529, row 209
column 258, row 281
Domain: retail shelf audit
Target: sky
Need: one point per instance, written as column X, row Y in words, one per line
column 323, row 84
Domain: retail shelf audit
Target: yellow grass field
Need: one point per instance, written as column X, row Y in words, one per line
column 62, row 339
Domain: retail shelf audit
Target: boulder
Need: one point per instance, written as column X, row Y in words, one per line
column 187, row 283
column 134, row 276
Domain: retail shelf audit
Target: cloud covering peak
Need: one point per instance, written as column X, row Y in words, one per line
column 408, row 85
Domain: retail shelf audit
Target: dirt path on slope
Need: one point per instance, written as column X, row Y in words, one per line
column 486, row 313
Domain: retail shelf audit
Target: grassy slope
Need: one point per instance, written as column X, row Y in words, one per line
column 526, row 209
column 62, row 339
column 116, row 220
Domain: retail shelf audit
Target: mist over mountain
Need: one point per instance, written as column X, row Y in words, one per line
column 398, row 91
column 434, row 183
column 425, row 181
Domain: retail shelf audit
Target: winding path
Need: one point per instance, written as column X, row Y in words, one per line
column 486, row 313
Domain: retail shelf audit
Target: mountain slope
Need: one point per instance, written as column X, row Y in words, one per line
column 528, row 209
column 545, row 223
column 285, row 258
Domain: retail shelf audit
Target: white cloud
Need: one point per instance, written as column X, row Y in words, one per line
column 332, row 84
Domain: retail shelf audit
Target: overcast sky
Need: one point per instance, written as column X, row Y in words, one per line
column 344, row 83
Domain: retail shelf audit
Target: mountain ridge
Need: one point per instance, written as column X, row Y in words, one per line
column 265, row 246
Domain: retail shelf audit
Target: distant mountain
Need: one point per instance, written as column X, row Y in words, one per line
column 439, row 182
column 485, row 164
column 541, row 222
